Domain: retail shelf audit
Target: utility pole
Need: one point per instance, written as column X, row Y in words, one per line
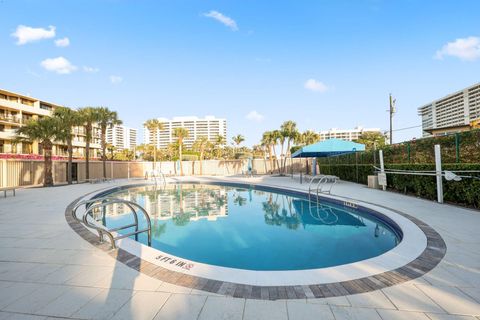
column 391, row 111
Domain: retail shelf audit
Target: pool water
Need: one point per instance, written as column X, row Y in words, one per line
column 253, row 229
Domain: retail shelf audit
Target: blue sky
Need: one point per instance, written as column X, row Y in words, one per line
column 322, row 64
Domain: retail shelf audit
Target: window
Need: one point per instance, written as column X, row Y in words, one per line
column 27, row 102
column 45, row 107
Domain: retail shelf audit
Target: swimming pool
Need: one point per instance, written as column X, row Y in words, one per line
column 255, row 228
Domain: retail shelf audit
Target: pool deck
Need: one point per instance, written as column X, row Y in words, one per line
column 48, row 270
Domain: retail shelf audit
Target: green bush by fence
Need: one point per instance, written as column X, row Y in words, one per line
column 459, row 152
column 465, row 192
column 457, row 148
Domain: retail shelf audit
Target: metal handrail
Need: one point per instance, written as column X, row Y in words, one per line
column 323, row 181
column 97, row 203
column 313, row 179
column 157, row 174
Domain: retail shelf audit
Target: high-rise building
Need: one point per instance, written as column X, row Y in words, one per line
column 17, row 109
column 122, row 137
column 348, row 134
column 209, row 127
column 459, row 111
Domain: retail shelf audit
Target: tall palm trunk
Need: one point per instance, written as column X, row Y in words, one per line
column 285, row 159
column 281, row 154
column 48, row 176
column 154, row 157
column 70, row 160
column 270, row 154
column 276, row 158
column 201, row 161
column 104, row 151
column 88, row 128
column 180, row 156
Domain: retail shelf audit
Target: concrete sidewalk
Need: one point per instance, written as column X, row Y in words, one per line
column 47, row 270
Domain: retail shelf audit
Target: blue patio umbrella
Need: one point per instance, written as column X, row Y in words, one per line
column 328, row 148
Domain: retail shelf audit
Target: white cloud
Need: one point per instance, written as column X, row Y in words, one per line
column 254, row 116
column 64, row 42
column 220, row 17
column 467, row 49
column 116, row 79
column 59, row 65
column 25, row 34
column 90, row 69
column 315, row 85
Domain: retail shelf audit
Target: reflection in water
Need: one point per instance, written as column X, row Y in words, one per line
column 253, row 229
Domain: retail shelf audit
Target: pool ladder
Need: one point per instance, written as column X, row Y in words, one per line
column 324, row 185
column 155, row 176
column 87, row 218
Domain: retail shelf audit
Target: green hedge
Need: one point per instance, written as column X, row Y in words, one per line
column 465, row 192
column 420, row 151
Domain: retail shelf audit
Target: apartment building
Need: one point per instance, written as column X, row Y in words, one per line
column 459, row 111
column 209, row 127
column 122, row 137
column 348, row 134
column 17, row 109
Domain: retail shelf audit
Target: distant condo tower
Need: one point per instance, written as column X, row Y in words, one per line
column 122, row 137
column 209, row 127
column 348, row 134
column 459, row 111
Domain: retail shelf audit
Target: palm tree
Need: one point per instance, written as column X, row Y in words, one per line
column 180, row 133
column 153, row 125
column 88, row 116
column 277, row 137
column 306, row 138
column 219, row 144
column 289, row 132
column 201, row 145
column 46, row 131
column 111, row 148
column 238, row 139
column 68, row 118
column 106, row 119
column 268, row 142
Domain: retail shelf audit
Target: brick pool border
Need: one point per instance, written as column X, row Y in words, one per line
column 426, row 261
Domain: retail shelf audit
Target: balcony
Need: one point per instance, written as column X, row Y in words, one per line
column 10, row 119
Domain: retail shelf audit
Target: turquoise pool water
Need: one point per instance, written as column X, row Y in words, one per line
column 252, row 229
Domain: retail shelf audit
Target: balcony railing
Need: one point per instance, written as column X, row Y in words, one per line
column 11, row 119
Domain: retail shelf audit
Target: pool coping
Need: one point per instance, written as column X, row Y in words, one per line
column 432, row 254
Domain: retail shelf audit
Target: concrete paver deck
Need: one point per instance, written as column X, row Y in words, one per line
column 47, row 270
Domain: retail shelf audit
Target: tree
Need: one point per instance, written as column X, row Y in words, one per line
column 268, row 141
column 238, row 139
column 88, row 116
column 45, row 131
column 372, row 140
column 218, row 146
column 289, row 132
column 153, row 125
column 277, row 138
column 111, row 148
column 181, row 134
column 106, row 119
column 201, row 145
column 309, row 137
column 68, row 119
